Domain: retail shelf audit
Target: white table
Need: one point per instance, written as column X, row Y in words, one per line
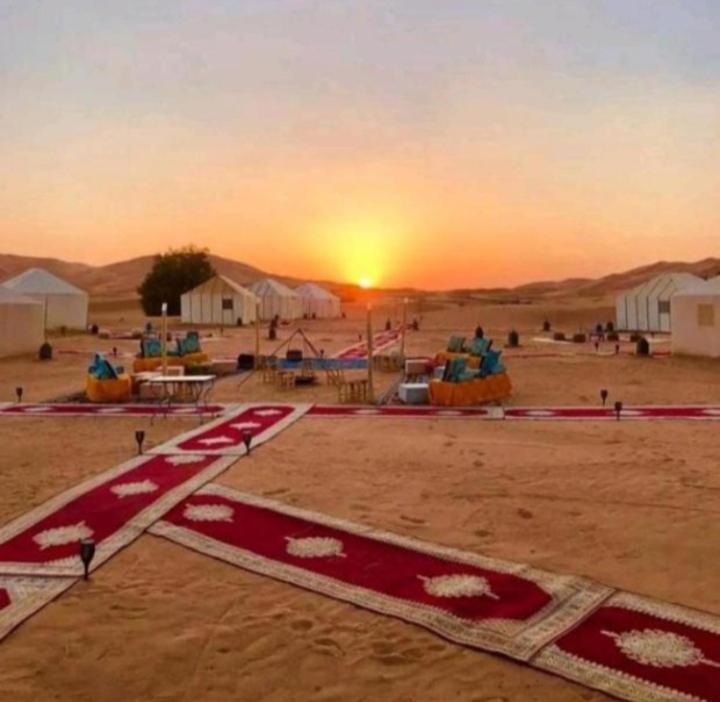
column 179, row 387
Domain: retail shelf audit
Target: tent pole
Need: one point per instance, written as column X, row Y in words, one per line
column 404, row 327
column 164, row 337
column 257, row 334
column 371, row 389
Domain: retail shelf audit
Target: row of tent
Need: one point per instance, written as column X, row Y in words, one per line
column 37, row 300
column 222, row 301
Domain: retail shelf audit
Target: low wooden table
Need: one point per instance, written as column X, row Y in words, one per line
column 180, row 388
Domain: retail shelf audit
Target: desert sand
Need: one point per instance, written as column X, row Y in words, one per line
column 630, row 504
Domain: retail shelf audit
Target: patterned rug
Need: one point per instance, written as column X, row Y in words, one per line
column 224, row 436
column 642, row 650
column 404, row 411
column 480, row 602
column 86, row 409
column 113, row 509
column 381, row 342
column 640, row 412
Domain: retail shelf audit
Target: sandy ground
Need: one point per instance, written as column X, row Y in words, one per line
column 161, row 623
column 631, row 504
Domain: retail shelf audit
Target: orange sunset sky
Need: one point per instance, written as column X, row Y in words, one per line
column 424, row 143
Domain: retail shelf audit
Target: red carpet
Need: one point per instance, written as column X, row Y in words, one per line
column 480, row 602
column 642, row 650
column 113, row 509
column 381, row 341
column 646, row 412
column 85, row 409
column 224, row 436
column 405, row 411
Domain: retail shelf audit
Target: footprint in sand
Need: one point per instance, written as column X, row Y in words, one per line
column 525, row 513
column 483, row 533
column 412, row 520
column 301, row 625
column 478, row 464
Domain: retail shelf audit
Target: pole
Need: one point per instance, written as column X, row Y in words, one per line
column 371, row 389
column 257, row 334
column 164, row 337
column 404, row 327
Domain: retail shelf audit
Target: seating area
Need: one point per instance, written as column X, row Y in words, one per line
column 184, row 352
column 464, row 374
column 107, row 383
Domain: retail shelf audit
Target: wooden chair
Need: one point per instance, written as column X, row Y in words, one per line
column 335, row 376
column 353, row 391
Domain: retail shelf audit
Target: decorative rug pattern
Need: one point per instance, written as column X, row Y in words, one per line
column 225, row 436
column 113, row 508
column 86, row 409
column 639, row 412
column 473, row 600
column 381, row 342
column 21, row 597
column 403, row 411
column 642, row 650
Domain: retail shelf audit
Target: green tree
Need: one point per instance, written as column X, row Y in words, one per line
column 173, row 274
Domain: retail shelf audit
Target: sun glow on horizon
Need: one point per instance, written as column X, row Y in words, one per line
column 365, row 283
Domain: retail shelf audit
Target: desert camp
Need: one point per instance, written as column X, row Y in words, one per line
column 64, row 304
column 219, row 301
column 276, row 300
column 360, row 351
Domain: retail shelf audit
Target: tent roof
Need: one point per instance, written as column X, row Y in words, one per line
column 315, row 292
column 40, row 281
column 269, row 287
column 224, row 282
column 665, row 283
column 8, row 297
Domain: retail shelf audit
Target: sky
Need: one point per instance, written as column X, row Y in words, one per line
column 436, row 144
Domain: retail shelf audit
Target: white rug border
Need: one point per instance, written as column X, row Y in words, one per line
column 21, row 609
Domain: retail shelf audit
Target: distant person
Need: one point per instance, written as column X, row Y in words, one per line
column 479, row 333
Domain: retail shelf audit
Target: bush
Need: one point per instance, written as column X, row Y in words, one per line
column 579, row 338
column 173, row 274
column 546, row 326
column 559, row 336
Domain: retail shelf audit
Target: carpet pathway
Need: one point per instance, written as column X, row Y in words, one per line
column 630, row 646
column 39, row 554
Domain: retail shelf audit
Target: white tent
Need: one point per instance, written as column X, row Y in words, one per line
column 696, row 320
column 21, row 324
column 218, row 301
column 318, row 302
column 65, row 305
column 276, row 299
column 646, row 308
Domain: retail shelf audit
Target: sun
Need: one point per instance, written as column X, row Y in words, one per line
column 365, row 283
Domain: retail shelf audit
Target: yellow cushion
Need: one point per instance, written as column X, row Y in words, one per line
column 116, row 390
